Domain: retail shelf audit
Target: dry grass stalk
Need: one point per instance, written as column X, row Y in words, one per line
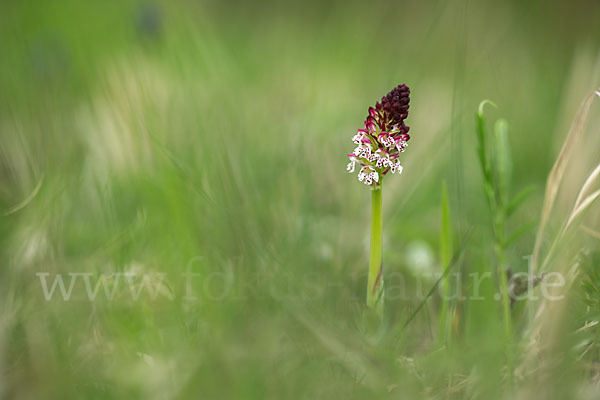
column 558, row 170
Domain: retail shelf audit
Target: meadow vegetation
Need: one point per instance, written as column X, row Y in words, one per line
column 189, row 157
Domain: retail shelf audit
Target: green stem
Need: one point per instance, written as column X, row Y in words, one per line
column 375, row 278
column 501, row 259
column 499, row 217
column 506, row 309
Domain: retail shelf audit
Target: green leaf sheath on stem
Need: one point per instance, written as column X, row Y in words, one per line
column 503, row 162
column 375, row 278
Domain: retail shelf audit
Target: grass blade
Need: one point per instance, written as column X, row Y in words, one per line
column 518, row 200
column 445, row 258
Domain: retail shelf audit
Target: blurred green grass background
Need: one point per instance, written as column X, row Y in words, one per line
column 214, row 135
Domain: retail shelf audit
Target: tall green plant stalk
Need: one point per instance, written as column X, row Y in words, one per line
column 377, row 152
column 496, row 166
column 495, row 163
column 375, row 277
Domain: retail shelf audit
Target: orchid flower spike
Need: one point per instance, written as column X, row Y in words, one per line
column 384, row 137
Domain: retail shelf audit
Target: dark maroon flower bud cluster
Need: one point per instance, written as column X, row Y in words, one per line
column 395, row 106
